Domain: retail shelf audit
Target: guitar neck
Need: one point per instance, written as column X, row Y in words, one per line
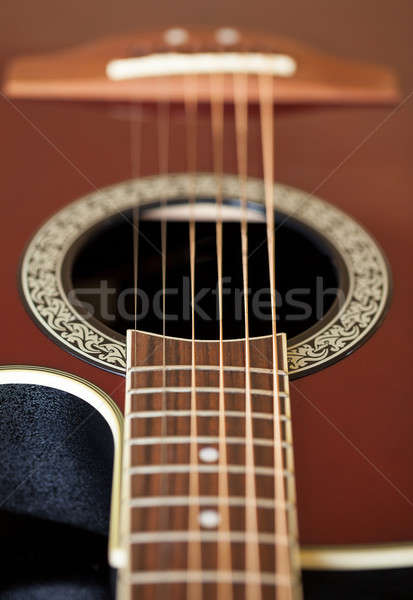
column 208, row 481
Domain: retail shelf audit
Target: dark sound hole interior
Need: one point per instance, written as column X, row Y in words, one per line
column 102, row 275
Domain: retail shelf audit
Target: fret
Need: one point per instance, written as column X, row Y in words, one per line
column 226, row 368
column 176, row 468
column 151, row 414
column 206, row 439
column 207, row 390
column 150, row 501
column 207, row 576
column 240, row 537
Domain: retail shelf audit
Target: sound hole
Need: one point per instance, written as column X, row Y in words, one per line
column 100, row 281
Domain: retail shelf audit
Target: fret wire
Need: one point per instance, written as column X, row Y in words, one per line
column 151, row 501
column 147, row 441
column 205, row 576
column 150, row 414
column 153, row 537
column 226, row 368
column 182, row 468
column 204, row 390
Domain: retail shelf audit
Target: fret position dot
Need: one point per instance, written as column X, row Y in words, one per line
column 209, row 519
column 227, row 36
column 176, row 36
column 208, row 454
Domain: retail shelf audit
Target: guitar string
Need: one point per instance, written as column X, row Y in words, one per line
column 136, row 125
column 252, row 555
column 282, row 554
column 194, row 558
column 136, row 133
column 224, row 558
column 163, row 133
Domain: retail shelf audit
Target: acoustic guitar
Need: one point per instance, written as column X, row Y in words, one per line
column 165, row 335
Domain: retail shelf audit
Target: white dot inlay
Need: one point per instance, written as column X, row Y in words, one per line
column 209, row 519
column 176, row 36
column 208, row 454
column 227, row 36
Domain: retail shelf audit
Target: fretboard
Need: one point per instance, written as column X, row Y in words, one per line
column 208, row 507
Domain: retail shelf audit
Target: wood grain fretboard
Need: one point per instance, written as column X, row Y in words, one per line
column 198, row 519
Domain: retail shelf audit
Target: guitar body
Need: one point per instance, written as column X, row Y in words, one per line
column 353, row 418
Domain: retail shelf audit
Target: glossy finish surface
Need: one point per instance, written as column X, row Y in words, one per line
column 352, row 422
column 98, row 71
